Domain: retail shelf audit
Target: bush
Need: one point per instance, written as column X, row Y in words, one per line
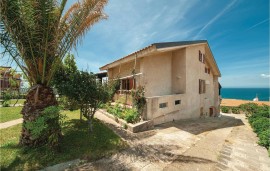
column 236, row 110
column 131, row 115
column 6, row 98
column 265, row 138
column 68, row 104
column 138, row 98
column 225, row 109
column 258, row 117
column 262, row 112
column 249, row 108
column 260, row 124
column 48, row 123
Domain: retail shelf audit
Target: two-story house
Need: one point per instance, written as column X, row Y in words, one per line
column 180, row 79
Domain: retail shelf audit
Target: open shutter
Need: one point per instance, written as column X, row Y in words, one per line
column 204, row 86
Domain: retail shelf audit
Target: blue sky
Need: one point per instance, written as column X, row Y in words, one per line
column 237, row 31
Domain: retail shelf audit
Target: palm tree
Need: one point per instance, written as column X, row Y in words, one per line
column 37, row 34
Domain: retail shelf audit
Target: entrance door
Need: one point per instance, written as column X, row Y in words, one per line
column 211, row 111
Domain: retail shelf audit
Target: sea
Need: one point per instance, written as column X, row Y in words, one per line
column 246, row 93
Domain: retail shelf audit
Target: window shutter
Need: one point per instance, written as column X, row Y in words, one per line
column 199, row 86
column 200, row 56
column 204, row 86
column 203, row 58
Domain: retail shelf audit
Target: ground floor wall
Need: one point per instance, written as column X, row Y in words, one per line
column 162, row 109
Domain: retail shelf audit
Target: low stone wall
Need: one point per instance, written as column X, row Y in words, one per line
column 160, row 114
column 138, row 127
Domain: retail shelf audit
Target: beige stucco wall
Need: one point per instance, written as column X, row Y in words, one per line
column 179, row 71
column 174, row 76
column 170, row 113
column 124, row 69
column 186, row 65
column 156, row 76
column 196, row 70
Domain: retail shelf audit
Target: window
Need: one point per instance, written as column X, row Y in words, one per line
column 201, row 57
column 163, row 105
column 128, row 84
column 177, row 102
column 201, row 86
column 207, row 70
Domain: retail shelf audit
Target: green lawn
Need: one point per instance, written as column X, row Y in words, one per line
column 20, row 101
column 76, row 143
column 9, row 113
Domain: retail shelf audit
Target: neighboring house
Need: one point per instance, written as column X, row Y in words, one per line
column 180, row 79
column 9, row 79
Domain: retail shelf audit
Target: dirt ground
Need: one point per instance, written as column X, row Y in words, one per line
column 234, row 102
column 220, row 143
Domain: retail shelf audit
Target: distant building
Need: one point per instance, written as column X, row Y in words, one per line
column 180, row 79
column 9, row 79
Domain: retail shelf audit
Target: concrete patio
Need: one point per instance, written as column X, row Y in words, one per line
column 220, row 143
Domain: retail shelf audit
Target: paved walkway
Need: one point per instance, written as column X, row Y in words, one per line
column 10, row 123
column 225, row 143
column 241, row 152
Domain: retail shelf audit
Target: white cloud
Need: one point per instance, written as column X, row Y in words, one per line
column 255, row 25
column 226, row 9
column 265, row 75
column 138, row 24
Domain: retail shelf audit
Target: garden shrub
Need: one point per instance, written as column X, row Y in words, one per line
column 264, row 111
column 264, row 137
column 139, row 101
column 258, row 117
column 225, row 109
column 260, row 124
column 249, row 108
column 6, row 98
column 117, row 111
column 45, row 124
column 68, row 104
column 131, row 115
column 235, row 110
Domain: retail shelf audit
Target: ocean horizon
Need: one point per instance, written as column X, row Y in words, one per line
column 246, row 93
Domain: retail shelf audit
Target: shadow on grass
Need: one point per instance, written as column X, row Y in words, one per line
column 76, row 143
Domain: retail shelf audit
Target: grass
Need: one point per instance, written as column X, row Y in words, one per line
column 20, row 101
column 9, row 113
column 13, row 101
column 76, row 143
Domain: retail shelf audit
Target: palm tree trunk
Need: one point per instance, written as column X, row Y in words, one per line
column 38, row 98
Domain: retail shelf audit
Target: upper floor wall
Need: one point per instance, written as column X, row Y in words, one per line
column 174, row 72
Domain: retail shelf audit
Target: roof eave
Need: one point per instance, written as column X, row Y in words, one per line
column 138, row 54
column 214, row 61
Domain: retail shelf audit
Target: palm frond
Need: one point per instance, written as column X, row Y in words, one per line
column 37, row 36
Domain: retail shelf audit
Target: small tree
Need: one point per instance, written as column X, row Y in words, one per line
column 62, row 77
column 83, row 87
